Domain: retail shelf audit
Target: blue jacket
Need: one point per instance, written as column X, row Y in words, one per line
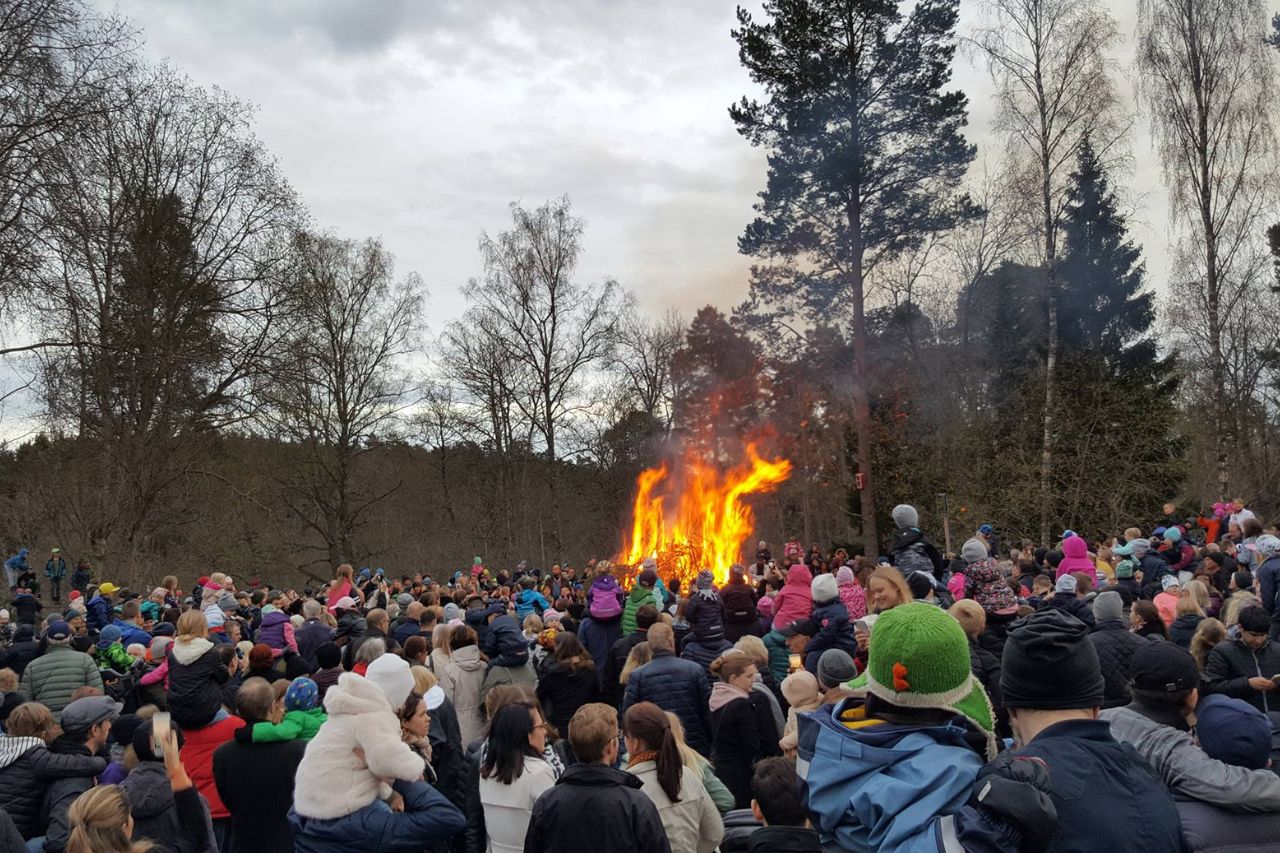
column 598, row 638
column 55, row 567
column 679, row 686
column 529, row 601
column 98, row 613
column 505, row 644
column 893, row 788
column 1269, row 585
column 835, row 631
column 1106, row 795
column 18, row 562
column 427, row 817
column 131, row 633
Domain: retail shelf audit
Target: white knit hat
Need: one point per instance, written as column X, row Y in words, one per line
column 391, row 674
column 823, row 588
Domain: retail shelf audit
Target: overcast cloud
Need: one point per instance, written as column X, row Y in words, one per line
column 419, row 121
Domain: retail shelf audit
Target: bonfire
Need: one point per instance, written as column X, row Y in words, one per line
column 693, row 516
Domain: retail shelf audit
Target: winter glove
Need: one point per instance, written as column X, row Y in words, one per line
column 1016, row 790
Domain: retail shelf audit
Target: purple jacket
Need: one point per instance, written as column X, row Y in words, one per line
column 273, row 630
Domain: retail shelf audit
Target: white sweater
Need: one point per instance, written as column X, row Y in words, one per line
column 507, row 807
column 332, row 780
column 693, row 825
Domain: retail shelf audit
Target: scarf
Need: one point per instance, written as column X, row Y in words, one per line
column 646, row 755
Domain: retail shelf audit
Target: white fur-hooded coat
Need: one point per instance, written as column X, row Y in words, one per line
column 333, row 781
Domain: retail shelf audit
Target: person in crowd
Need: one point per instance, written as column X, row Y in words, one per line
column 623, row 819
column 1208, row 634
column 303, row 715
column 1115, row 646
column 566, row 681
column 887, row 589
column 100, row 610
column 833, row 630
column 1243, row 668
column 110, row 651
column 795, row 600
column 23, row 650
column 51, row 678
column 973, row 551
column 801, row 691
column 851, row 592
column 642, row 593
column 741, row 616
column 1066, row 598
column 328, row 668
column 1241, row 595
column 196, row 674
column 1268, row 578
column 675, row 685
column 911, row 551
column 1053, row 687
column 782, row 643
column 645, row 617
column 742, row 726
column 15, row 566
column 508, row 651
column 255, row 781
column 640, row 655
column 1157, row 723
column 1145, row 621
column 985, row 665
column 603, row 625
column 1075, row 558
column 262, row 664
column 361, row 716
column 439, row 657
column 86, row 730
column 462, row 680
column 693, row 760
column 166, row 807
column 921, row 716
column 514, row 774
column 1166, row 601
column 342, row 587
column 1188, row 614
column 688, row 814
column 417, row 650
column 28, row 766
column 131, row 624
column 765, row 685
column 198, row 748
column 276, row 631
column 777, row 805
column 55, row 570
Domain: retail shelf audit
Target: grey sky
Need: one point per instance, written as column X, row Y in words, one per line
column 419, row 121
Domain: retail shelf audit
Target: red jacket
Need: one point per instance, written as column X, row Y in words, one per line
column 197, row 756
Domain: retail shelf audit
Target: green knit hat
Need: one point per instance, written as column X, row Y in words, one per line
column 919, row 658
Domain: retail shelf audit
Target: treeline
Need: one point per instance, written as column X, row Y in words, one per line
column 226, row 384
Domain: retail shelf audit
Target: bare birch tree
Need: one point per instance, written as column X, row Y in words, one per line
column 1048, row 59
column 1205, row 74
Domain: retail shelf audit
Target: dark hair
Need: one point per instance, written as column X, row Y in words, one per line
column 1251, row 528
column 570, row 652
column 1254, row 619
column 410, row 707
column 776, row 789
column 646, row 616
column 415, row 646
column 296, row 667
column 508, row 743
column 463, row 636
column 226, row 651
column 1150, row 616
column 648, row 723
column 328, row 655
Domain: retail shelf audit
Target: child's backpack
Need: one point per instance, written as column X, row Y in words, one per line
column 604, row 602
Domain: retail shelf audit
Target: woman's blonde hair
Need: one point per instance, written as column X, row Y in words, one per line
column 1199, row 591
column 97, row 819
column 754, row 646
column 532, row 624
column 192, row 626
column 344, row 571
column 731, row 664
column 8, row 680
column 440, row 637
column 893, row 578
column 423, row 679
column 1187, row 604
column 1208, row 634
column 689, row 756
column 641, row 654
column 970, row 615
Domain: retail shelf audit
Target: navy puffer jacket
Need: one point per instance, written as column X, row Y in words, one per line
column 705, row 612
column 427, row 817
column 505, row 644
column 679, row 686
column 703, row 653
column 27, row 766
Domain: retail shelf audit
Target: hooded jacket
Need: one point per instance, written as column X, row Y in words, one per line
column 277, row 632
column 705, row 612
column 1160, row 735
column 461, row 679
column 27, row 767
column 1075, row 558
column 912, row 552
column 196, row 676
column 505, row 643
column 835, row 631
column 740, row 615
column 331, row 781
column 795, row 599
column 427, row 817
column 637, row 598
column 529, row 601
column 562, row 690
column 98, row 613
column 178, row 821
column 623, row 818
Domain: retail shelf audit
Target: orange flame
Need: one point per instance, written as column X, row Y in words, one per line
column 707, row 524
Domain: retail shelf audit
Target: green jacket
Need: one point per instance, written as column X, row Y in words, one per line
column 638, row 598
column 51, row 678
column 779, row 655
column 296, row 725
column 113, row 657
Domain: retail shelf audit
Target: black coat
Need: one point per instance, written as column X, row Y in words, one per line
column 1230, row 666
column 740, row 615
column 618, row 655
column 562, row 691
column 739, row 742
column 784, row 839
column 1077, row 607
column 986, row 668
column 1106, row 795
column 61, row 793
column 706, row 614
column 195, row 689
column 675, row 685
column 27, row 771
column 21, row 653
column 255, row 782
column 1184, row 628
column 595, row 809
column 178, row 821
column 505, row 644
column 1116, row 646
column 703, row 653
column 311, row 636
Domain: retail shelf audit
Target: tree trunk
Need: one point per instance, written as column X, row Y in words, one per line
column 862, row 406
column 1051, row 344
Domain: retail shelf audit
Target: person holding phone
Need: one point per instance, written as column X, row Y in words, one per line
column 160, row 792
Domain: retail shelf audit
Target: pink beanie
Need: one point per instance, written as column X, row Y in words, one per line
column 765, row 606
column 844, row 576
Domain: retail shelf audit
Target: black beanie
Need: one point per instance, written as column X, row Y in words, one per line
column 1244, row 580
column 328, row 655
column 1049, row 663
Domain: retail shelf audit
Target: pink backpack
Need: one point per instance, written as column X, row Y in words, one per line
column 604, row 600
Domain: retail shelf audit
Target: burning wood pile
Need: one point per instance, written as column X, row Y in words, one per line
column 693, row 516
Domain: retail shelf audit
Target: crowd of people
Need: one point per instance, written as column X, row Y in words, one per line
column 1116, row 694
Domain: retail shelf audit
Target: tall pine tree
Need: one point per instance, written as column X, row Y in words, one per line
column 1104, row 309
column 865, row 153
